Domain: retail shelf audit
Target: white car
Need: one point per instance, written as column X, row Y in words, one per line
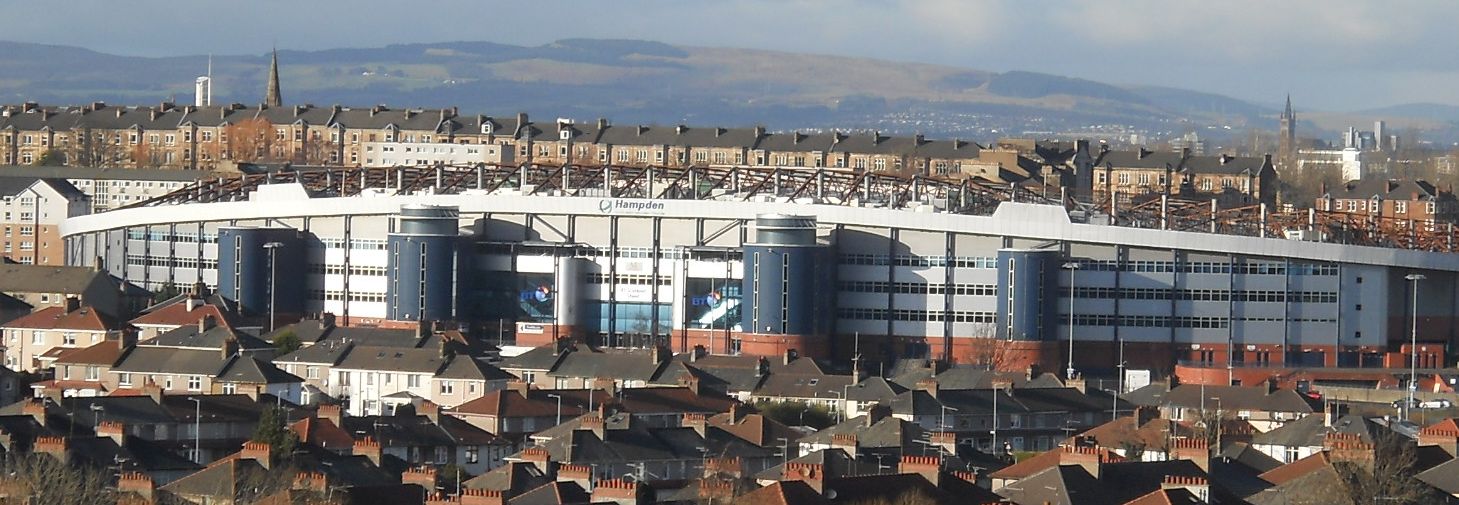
column 1436, row 404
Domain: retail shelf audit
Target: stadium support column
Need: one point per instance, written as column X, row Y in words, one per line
column 421, row 264
column 1027, row 316
column 787, row 289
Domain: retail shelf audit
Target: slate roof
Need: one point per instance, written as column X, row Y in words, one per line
column 97, row 173
column 1058, row 485
column 1255, row 399
column 222, row 478
column 1390, row 189
column 514, row 475
column 967, row 377
column 14, row 184
column 888, row 432
column 553, row 493
column 215, row 337
column 1444, row 477
column 392, row 358
column 1309, row 431
column 164, row 360
column 468, row 368
column 251, row 370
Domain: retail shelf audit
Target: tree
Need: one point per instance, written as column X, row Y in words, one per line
column 41, row 478
column 166, row 292
column 797, row 413
column 988, row 351
column 49, row 157
column 910, row 497
column 251, row 140
column 1390, row 477
column 286, row 342
column 273, row 430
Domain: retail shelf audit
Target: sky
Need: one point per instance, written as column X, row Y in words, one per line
column 1338, row 55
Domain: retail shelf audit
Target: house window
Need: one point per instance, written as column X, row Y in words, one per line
column 124, row 378
column 93, row 373
column 1124, row 178
column 441, row 454
column 167, row 382
column 412, row 381
column 38, row 337
column 448, row 387
column 471, row 387
column 230, row 388
column 1400, row 207
column 26, row 231
column 68, row 338
column 195, row 383
column 473, row 454
column 311, row 372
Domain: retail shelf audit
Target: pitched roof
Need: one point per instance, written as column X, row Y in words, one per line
column 177, row 313
column 888, row 432
column 1253, row 398
column 105, row 353
column 1058, row 485
column 1317, row 461
column 1047, row 459
column 1309, row 431
column 468, row 368
column 1389, row 189
column 85, row 318
column 392, row 358
column 153, row 360
column 251, row 370
column 1445, row 477
column 214, row 337
column 783, row 493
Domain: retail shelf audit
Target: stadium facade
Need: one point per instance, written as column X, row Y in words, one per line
column 748, row 262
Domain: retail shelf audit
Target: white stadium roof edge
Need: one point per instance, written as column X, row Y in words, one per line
column 1012, row 219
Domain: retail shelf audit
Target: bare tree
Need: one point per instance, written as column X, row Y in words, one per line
column 251, row 140
column 1389, row 478
column 988, row 351
column 41, row 478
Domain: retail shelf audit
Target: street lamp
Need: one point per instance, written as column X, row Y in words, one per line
column 273, row 249
column 197, row 430
column 559, row 407
column 1071, row 267
column 1413, row 349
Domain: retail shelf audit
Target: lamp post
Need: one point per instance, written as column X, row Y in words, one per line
column 1119, row 383
column 559, row 407
column 273, row 249
column 1071, row 267
column 1413, row 349
column 197, row 430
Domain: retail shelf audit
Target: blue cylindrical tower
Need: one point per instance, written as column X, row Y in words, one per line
column 787, row 279
column 1028, row 293
column 243, row 268
column 421, row 269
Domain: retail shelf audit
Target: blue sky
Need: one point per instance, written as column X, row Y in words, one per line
column 1333, row 54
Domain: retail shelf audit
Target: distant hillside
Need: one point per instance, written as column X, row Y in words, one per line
column 633, row 81
column 1430, row 111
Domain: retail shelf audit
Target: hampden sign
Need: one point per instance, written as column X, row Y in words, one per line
column 623, row 206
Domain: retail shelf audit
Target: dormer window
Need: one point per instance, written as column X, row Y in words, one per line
column 486, row 128
column 564, row 134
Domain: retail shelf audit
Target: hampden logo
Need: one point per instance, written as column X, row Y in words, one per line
column 619, row 205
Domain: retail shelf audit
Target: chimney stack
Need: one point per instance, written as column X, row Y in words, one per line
column 331, row 412
column 113, row 430
column 260, row 452
column 369, row 448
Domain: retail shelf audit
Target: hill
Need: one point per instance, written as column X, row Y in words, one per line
column 636, row 81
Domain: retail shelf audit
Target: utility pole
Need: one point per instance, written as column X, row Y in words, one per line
column 1071, row 267
column 1413, row 350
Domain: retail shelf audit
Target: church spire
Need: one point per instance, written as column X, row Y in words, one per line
column 272, row 97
